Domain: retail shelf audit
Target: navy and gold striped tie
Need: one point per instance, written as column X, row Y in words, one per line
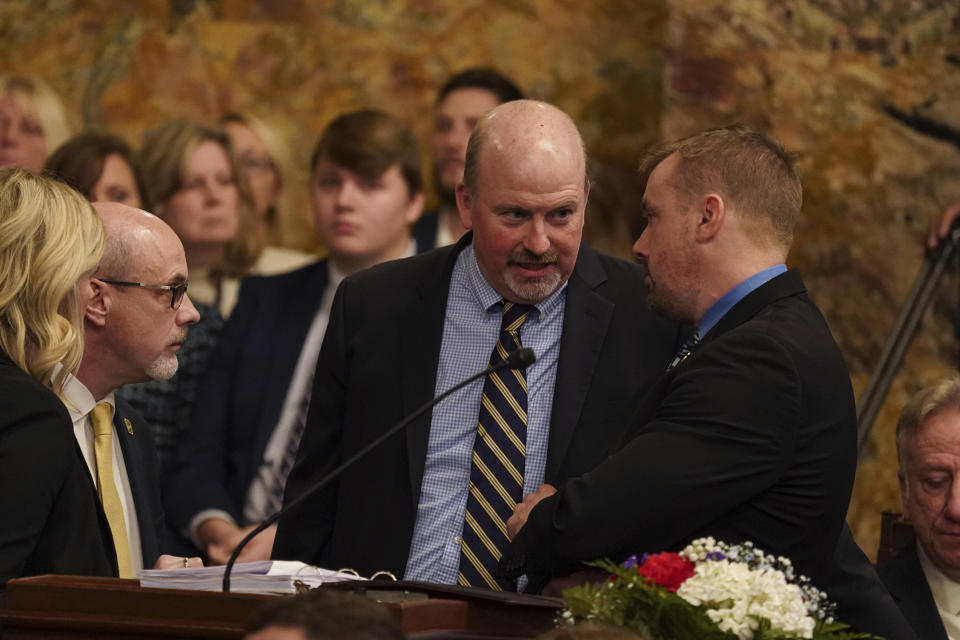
column 499, row 452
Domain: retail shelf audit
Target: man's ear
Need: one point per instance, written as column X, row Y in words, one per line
column 712, row 214
column 99, row 306
column 414, row 208
column 465, row 206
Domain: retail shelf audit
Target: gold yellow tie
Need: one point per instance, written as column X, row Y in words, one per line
column 107, row 488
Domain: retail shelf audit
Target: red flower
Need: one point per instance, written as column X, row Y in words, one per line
column 667, row 570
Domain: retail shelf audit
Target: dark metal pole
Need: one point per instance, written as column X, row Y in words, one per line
column 903, row 332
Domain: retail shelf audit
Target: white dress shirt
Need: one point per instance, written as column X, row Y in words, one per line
column 946, row 593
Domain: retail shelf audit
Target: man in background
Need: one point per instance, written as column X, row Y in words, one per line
column 924, row 578
column 323, row 614
column 461, row 103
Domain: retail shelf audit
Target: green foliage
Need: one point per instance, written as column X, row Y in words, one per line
column 626, row 600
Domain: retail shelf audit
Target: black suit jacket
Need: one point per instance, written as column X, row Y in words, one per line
column 51, row 519
column 906, row 582
column 379, row 363
column 752, row 437
column 242, row 393
column 425, row 230
column 143, row 473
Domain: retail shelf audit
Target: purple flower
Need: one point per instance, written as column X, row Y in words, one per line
column 716, row 555
column 630, row 562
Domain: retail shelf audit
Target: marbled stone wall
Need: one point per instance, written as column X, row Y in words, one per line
column 129, row 65
column 856, row 88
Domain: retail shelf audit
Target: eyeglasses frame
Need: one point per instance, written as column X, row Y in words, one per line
column 177, row 291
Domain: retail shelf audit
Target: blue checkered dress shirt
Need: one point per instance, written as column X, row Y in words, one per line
column 470, row 330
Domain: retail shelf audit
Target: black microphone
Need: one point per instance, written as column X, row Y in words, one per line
column 519, row 359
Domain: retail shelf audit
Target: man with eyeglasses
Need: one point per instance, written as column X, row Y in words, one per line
column 134, row 324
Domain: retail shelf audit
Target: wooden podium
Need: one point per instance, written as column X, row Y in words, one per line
column 73, row 607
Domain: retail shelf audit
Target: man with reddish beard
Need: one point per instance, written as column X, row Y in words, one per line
column 133, row 327
column 431, row 504
column 750, row 434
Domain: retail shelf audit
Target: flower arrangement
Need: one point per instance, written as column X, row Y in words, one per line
column 708, row 591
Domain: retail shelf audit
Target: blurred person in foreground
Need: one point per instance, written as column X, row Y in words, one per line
column 51, row 241
column 323, row 614
column 246, row 426
column 589, row 631
column 924, row 578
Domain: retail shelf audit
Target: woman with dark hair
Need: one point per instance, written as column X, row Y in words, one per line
column 102, row 167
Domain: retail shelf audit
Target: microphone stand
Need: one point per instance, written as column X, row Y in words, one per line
column 519, row 359
column 903, row 333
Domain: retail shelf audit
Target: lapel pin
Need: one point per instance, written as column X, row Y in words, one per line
column 129, row 425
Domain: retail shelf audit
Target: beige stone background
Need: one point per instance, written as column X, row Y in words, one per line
column 820, row 75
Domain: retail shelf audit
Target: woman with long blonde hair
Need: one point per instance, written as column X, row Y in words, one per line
column 51, row 240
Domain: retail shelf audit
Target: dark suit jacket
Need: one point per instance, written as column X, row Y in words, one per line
column 51, row 519
column 906, row 582
column 752, row 437
column 140, row 460
column 379, row 363
column 425, row 230
column 242, row 393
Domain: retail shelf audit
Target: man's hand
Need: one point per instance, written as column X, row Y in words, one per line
column 940, row 227
column 520, row 514
column 222, row 537
column 177, row 562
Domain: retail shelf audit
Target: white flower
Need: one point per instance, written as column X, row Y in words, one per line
column 733, row 592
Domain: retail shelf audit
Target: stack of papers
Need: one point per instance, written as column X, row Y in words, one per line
column 266, row 576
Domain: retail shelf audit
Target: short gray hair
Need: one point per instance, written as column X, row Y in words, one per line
column 922, row 406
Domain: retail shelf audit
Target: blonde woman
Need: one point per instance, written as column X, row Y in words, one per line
column 32, row 122
column 50, row 243
column 197, row 188
column 266, row 161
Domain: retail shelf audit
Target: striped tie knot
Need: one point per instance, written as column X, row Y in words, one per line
column 514, row 315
